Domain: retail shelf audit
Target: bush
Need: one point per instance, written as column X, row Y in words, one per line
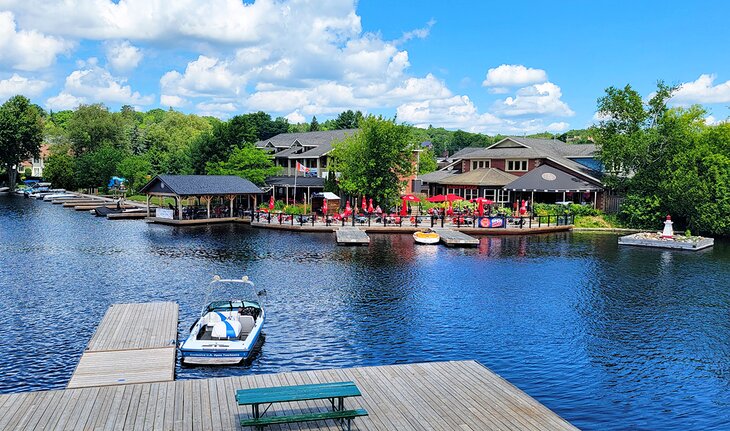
column 643, row 212
column 583, row 210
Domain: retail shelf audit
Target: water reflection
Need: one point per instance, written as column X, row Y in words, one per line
column 610, row 338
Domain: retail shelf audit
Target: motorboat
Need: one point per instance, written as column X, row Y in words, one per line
column 59, row 196
column 4, row 191
column 426, row 237
column 228, row 329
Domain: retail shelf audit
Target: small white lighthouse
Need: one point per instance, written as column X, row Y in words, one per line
column 668, row 230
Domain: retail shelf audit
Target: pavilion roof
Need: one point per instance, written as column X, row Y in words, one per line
column 201, row 185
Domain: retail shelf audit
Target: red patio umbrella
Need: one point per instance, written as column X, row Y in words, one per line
column 410, row 198
column 324, row 208
column 437, row 198
column 348, row 209
column 271, row 203
column 404, row 208
column 370, row 207
column 364, row 204
column 453, row 198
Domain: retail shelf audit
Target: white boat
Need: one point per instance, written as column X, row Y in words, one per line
column 228, row 329
column 426, row 237
column 4, row 191
column 59, row 196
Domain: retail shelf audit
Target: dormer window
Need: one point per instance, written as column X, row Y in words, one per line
column 517, row 165
column 480, row 164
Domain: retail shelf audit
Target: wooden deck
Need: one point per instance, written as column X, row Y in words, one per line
column 195, row 222
column 452, row 238
column 134, row 343
column 349, row 235
column 430, row 396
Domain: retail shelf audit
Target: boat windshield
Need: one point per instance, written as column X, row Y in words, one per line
column 225, row 295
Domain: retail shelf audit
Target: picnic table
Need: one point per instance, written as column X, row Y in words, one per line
column 334, row 392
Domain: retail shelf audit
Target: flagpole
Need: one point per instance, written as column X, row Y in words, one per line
column 295, row 181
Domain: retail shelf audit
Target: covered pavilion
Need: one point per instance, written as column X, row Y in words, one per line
column 205, row 189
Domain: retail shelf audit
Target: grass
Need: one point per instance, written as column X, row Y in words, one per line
column 600, row 221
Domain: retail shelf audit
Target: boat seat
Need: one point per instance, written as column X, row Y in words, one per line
column 215, row 317
column 247, row 324
column 226, row 329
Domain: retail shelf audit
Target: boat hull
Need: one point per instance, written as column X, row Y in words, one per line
column 426, row 238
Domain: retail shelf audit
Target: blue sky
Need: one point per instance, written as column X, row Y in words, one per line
column 484, row 66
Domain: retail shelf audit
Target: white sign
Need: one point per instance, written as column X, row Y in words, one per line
column 164, row 213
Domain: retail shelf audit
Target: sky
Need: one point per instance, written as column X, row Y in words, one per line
column 516, row 67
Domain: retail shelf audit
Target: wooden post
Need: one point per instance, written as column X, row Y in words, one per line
column 148, row 205
column 231, row 198
column 179, row 207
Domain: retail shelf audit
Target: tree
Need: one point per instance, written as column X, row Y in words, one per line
column 136, row 170
column 248, row 162
column 210, row 147
column 330, row 183
column 427, row 162
column 94, row 169
column 375, row 160
column 93, row 126
column 21, row 134
column 59, row 170
column 314, row 125
column 348, row 120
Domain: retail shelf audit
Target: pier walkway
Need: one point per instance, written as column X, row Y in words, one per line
column 453, row 238
column 134, row 343
column 351, row 236
column 460, row 395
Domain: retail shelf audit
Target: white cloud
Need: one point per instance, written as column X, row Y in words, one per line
column 702, row 90
column 557, row 127
column 539, row 99
column 95, row 84
column 513, row 75
column 27, row 50
column 173, row 101
column 295, row 117
column 17, row 84
column 122, row 55
column 205, row 76
column 64, row 101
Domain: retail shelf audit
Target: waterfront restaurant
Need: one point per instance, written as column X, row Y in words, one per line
column 200, row 198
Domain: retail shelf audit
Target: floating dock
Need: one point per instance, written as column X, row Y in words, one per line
column 461, row 395
column 134, row 343
column 453, row 238
column 678, row 243
column 348, row 235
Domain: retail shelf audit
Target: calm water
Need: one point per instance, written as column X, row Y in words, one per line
column 608, row 337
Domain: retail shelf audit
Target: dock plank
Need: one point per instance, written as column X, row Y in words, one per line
column 453, row 238
column 348, row 235
column 457, row 395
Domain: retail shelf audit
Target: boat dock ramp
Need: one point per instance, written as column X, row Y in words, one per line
column 134, row 343
column 453, row 238
column 351, row 236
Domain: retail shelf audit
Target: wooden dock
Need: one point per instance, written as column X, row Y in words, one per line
column 348, row 235
column 460, row 395
column 452, row 238
column 134, row 343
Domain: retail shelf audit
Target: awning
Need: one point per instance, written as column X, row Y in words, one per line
column 548, row 178
column 326, row 195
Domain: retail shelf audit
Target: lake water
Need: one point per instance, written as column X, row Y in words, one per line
column 607, row 337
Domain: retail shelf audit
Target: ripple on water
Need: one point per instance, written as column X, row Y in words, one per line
column 609, row 338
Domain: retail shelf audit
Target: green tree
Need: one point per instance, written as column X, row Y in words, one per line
column 248, row 162
column 21, row 134
column 330, row 183
column 59, row 169
column 136, row 170
column 314, row 125
column 348, row 120
column 427, row 162
column 94, row 169
column 93, row 126
column 376, row 160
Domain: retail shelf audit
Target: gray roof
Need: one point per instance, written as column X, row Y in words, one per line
column 301, row 181
column 480, row 177
column 546, row 178
column 320, row 141
column 200, row 185
column 535, row 148
column 436, row 176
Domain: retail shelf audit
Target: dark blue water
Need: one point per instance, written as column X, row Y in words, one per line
column 608, row 337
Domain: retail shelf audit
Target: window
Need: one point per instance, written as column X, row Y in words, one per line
column 470, row 193
column 490, row 194
column 480, row 164
column 517, row 165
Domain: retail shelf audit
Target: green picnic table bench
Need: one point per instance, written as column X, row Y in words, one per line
column 334, row 392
